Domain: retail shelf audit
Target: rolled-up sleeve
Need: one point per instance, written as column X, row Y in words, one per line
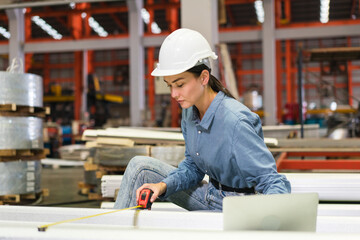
column 256, row 164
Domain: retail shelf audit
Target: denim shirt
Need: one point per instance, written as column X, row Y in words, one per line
column 228, row 145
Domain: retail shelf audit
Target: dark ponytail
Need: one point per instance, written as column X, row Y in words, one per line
column 214, row 83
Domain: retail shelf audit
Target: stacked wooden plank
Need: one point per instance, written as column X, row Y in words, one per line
column 138, row 135
column 115, row 147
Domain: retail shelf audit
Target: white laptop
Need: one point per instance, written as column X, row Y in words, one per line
column 277, row 212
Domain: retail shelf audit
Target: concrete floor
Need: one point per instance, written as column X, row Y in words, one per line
column 62, row 184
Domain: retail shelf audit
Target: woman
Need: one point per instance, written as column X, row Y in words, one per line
column 223, row 138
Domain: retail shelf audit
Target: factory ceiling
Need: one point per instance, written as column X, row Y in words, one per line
column 111, row 17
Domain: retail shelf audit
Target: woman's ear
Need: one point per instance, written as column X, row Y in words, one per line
column 205, row 77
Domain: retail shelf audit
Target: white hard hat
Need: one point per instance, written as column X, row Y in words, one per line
column 182, row 50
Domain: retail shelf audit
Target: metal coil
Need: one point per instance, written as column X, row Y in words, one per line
column 21, row 88
column 20, row 177
column 21, row 133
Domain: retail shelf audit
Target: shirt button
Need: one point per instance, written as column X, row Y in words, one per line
column 199, row 132
column 197, row 154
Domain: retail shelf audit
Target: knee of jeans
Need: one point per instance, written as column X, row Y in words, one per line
column 138, row 162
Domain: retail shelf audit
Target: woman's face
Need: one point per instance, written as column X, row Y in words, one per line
column 185, row 88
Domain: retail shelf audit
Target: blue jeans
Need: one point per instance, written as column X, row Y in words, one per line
column 141, row 169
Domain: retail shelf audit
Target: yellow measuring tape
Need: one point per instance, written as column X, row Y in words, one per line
column 44, row 227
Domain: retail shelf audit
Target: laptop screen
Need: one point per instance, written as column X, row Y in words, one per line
column 276, row 212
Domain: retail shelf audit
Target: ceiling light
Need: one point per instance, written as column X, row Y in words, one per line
column 324, row 10
column 4, row 32
column 155, row 28
column 72, row 5
column 97, row 28
column 259, row 8
column 333, row 106
column 146, row 18
column 145, row 15
column 46, row 27
column 83, row 15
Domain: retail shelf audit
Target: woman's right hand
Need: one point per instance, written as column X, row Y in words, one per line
column 157, row 188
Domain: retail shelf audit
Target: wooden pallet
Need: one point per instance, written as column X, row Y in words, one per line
column 112, row 168
column 103, row 170
column 89, row 190
column 86, row 189
column 13, row 109
column 7, row 155
column 99, row 197
column 23, row 198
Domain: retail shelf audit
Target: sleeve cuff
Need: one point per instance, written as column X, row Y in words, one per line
column 170, row 188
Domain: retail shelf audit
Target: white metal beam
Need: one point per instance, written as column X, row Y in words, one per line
column 6, row 4
column 269, row 63
column 4, row 48
column 17, row 31
column 155, row 41
column 204, row 21
column 78, row 45
column 137, row 81
column 318, row 32
column 240, row 36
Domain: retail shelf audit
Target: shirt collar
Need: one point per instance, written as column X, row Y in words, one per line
column 210, row 112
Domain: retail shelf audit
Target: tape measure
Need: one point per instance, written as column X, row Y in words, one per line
column 145, row 196
column 144, row 203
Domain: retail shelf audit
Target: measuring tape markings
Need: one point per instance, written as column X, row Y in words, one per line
column 44, row 227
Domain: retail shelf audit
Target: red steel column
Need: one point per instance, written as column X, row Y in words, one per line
column 288, row 65
column 279, row 91
column 172, row 13
column 151, row 87
column 150, row 67
column 349, row 73
column 77, row 26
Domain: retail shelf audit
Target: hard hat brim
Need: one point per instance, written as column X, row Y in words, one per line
column 157, row 72
column 162, row 73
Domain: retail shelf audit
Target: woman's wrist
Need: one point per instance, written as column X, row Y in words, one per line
column 162, row 188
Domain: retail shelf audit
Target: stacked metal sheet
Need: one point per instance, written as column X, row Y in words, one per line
column 109, row 184
column 91, row 178
column 74, row 152
column 329, row 186
column 284, row 131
